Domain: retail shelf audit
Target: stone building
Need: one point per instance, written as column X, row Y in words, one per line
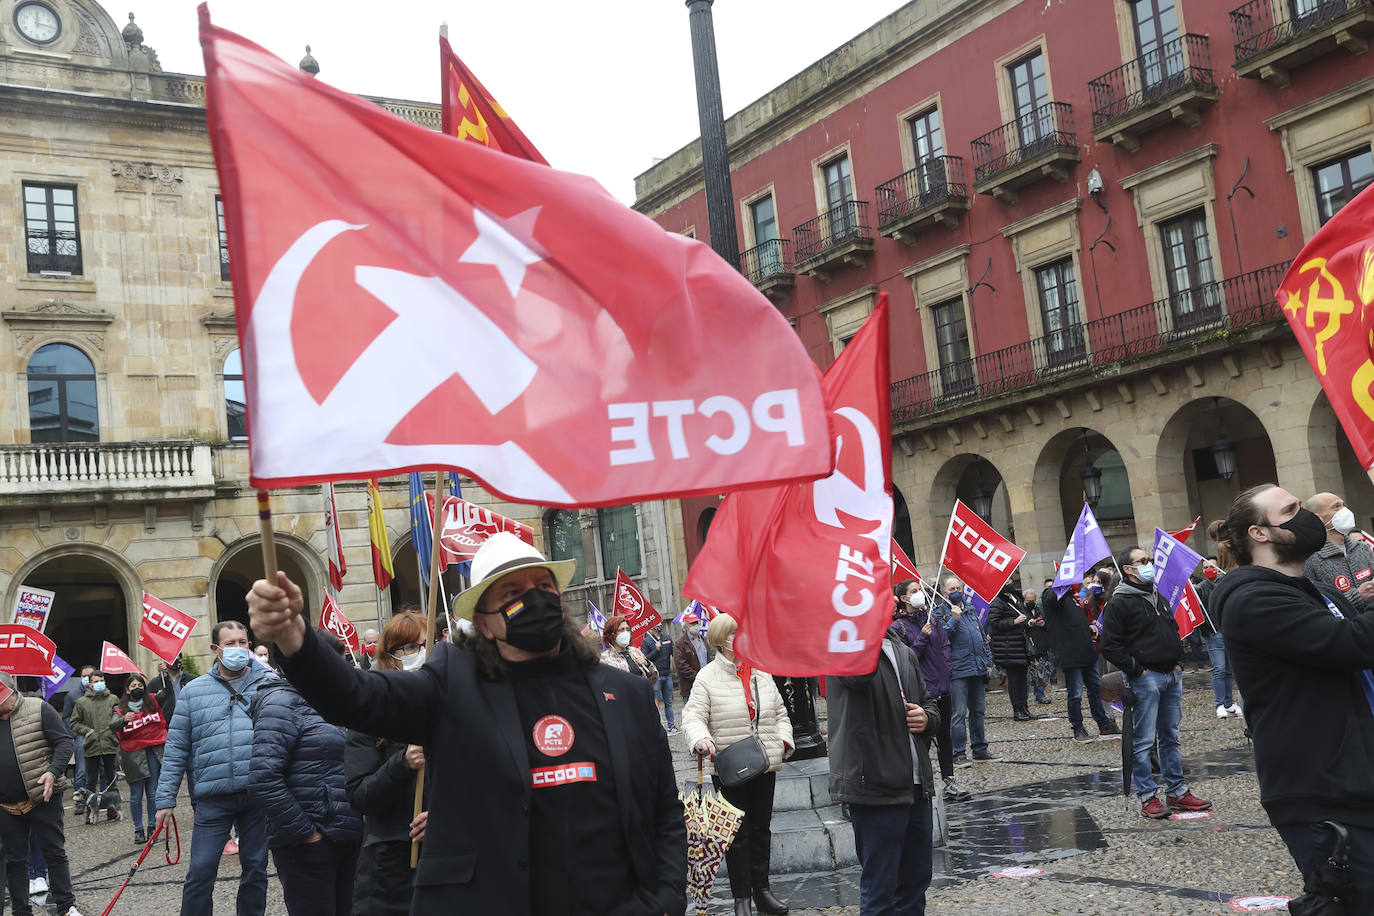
column 1080, row 212
column 123, row 464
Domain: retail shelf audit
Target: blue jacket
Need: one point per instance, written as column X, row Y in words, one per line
column 968, row 647
column 210, row 733
column 298, row 762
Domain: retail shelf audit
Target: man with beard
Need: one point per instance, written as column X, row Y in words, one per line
column 1301, row 657
column 558, row 794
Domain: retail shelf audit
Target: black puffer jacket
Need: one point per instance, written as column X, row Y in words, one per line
column 298, row 763
column 1008, row 638
column 1070, row 632
column 1139, row 631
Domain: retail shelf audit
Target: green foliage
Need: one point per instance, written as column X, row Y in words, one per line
column 189, row 666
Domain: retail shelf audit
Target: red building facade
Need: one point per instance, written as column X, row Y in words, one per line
column 1080, row 212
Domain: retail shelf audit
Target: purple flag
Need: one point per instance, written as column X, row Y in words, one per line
column 1086, row 547
column 1174, row 563
column 693, row 608
column 61, row 673
column 595, row 619
column 973, row 600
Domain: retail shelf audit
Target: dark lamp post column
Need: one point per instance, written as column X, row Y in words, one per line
column 720, row 200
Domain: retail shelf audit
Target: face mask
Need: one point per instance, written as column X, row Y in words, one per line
column 956, row 598
column 1210, row 572
column 413, row 662
column 1095, row 588
column 1145, row 572
column 917, row 600
column 136, row 693
column 622, row 639
column 1309, row 535
column 1343, row 521
column 98, row 686
column 85, row 682
column 370, row 649
column 534, row 621
column 235, row 659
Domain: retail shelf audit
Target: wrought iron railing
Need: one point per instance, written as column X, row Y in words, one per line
column 833, row 228
column 766, row 260
column 1234, row 303
column 56, row 251
column 1174, row 65
column 935, row 179
column 1046, row 127
column 104, row 465
column 1256, row 29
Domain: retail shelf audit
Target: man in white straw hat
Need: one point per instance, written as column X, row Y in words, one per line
column 556, row 792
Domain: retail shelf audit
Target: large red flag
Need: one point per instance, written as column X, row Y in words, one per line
column 467, row 526
column 977, row 554
column 1328, row 298
column 469, row 112
column 114, row 661
column 631, row 604
column 335, row 621
column 806, row 568
column 164, row 629
column 24, row 650
column 406, row 300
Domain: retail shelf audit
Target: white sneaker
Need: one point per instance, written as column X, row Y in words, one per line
column 1233, row 710
column 1222, row 712
column 38, row 886
column 73, row 912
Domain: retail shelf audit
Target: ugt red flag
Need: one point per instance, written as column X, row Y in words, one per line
column 1327, row 297
column 336, row 622
column 24, row 650
column 407, row 300
column 631, row 604
column 902, row 567
column 114, row 661
column 977, row 554
column 806, row 568
column 1188, row 613
column 467, row 526
column 469, row 112
column 164, row 629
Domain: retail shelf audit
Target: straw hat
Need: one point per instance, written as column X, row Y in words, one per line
column 502, row 554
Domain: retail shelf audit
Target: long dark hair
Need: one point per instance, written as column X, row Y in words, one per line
column 899, row 592
column 492, row 667
column 124, row 697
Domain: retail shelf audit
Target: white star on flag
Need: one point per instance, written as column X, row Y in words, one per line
column 498, row 246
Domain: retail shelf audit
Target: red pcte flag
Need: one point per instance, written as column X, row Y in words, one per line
column 164, row 629
column 406, row 300
column 114, row 661
column 977, row 554
column 469, row 112
column 806, row 568
column 631, row 604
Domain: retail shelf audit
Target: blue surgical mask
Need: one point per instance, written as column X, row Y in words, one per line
column 98, row 686
column 1145, row 572
column 235, row 659
column 85, row 682
column 956, row 598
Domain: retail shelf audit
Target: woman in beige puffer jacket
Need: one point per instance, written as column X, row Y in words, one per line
column 715, row 717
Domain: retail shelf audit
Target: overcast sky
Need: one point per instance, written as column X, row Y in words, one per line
column 602, row 87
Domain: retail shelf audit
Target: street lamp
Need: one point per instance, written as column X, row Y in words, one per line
column 1223, row 452
column 982, row 502
column 1092, row 477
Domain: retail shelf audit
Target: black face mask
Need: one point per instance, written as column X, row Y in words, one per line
column 136, row 693
column 1309, row 533
column 534, row 621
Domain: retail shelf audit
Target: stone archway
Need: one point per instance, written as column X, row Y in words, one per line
column 1335, row 467
column 1058, row 489
column 241, row 565
column 901, row 522
column 966, row 477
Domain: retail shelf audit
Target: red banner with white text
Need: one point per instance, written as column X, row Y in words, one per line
column 24, row 650
column 336, row 622
column 466, row 526
column 974, row 551
column 114, row 661
column 631, row 604
column 164, row 629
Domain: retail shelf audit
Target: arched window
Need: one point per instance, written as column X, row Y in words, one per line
column 563, row 534
column 619, row 540
column 704, row 523
column 62, row 406
column 235, row 412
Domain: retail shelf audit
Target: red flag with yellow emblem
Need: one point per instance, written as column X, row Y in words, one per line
column 470, row 112
column 1328, row 298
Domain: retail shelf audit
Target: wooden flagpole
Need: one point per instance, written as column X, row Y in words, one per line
column 435, row 589
column 269, row 543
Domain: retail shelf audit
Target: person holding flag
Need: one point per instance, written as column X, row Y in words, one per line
column 969, row 662
column 1302, row 658
column 1140, row 636
column 1075, row 646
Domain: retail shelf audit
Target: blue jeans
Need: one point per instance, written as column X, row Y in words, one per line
column 78, row 752
column 215, row 814
column 1158, row 704
column 1077, row 680
column 1221, row 669
column 145, row 787
column 663, row 689
column 970, row 703
column 38, row 866
column 894, row 847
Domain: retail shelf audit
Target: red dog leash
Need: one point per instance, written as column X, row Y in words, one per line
column 147, row 847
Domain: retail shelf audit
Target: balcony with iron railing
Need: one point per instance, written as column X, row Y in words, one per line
column 1037, row 145
column 1093, row 347
column 932, row 194
column 1172, row 82
column 841, row 236
column 1269, row 46
column 768, row 266
column 117, row 471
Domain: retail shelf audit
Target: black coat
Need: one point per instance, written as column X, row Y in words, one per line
column 298, row 765
column 1009, row 640
column 659, row 650
column 382, row 789
column 1139, row 631
column 1070, row 633
column 475, row 858
column 1298, row 666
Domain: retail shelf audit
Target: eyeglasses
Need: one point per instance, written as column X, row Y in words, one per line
column 409, row 648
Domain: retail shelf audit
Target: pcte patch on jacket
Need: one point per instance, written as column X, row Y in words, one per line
column 553, row 735
column 1343, row 583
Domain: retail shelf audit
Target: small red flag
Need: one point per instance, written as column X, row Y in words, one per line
column 24, row 650
column 1188, row 614
column 977, row 554
column 336, row 622
column 469, row 112
column 114, row 661
column 1183, row 534
column 337, row 567
column 631, row 604
column 1328, row 298
column 164, row 629
column 467, row 526
column 902, row 567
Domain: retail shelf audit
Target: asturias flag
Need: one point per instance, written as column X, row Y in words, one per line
column 470, row 113
column 382, row 570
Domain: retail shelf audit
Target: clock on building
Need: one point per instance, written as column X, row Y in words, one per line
column 37, row 22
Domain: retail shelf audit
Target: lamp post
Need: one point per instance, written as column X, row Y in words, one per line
column 1092, row 484
column 982, row 502
column 715, row 160
column 1223, row 452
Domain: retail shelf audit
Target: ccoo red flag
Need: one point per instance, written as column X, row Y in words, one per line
column 24, row 650
column 977, row 554
column 806, row 568
column 1188, row 613
column 336, row 622
column 1328, row 298
column 631, row 604
column 164, row 629
column 114, row 661
column 527, row 311
column 467, row 526
column 469, row 112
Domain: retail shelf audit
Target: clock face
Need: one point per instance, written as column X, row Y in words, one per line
column 38, row 23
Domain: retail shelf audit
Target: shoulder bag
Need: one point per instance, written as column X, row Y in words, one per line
column 745, row 759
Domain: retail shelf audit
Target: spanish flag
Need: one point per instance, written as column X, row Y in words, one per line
column 470, row 112
column 382, row 570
